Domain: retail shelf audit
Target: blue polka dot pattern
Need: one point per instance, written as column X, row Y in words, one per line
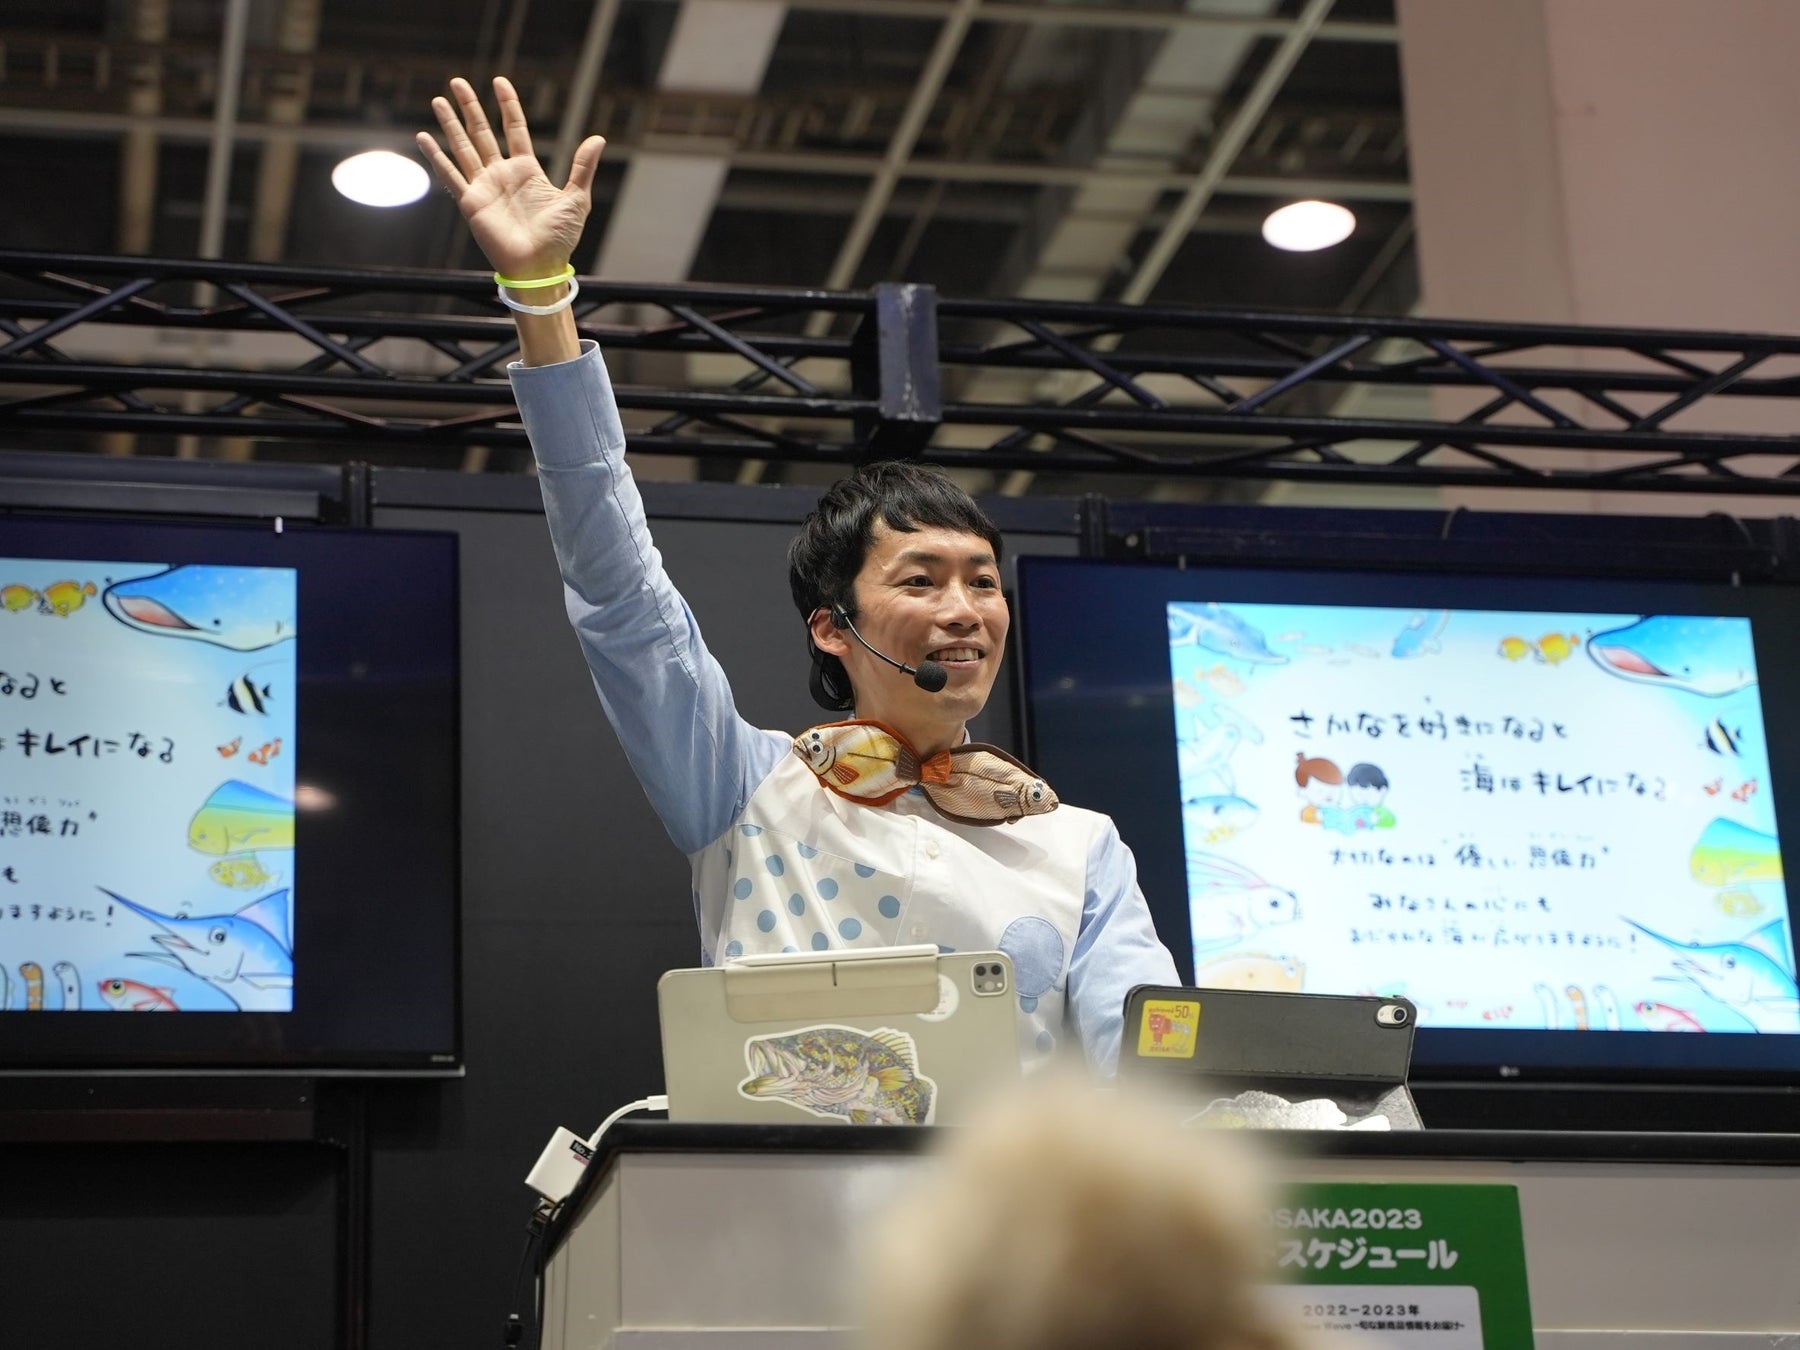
column 741, row 888
column 850, row 928
column 734, row 949
column 789, row 949
column 774, row 864
column 864, row 870
column 827, row 888
column 820, row 942
column 750, row 831
column 945, row 950
column 796, row 905
column 766, row 921
column 1027, row 1003
column 1036, row 949
column 1046, row 1042
column 806, row 850
column 889, row 905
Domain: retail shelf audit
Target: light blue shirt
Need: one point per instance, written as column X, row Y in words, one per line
column 779, row 861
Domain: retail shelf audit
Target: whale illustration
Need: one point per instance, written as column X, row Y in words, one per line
column 243, row 608
column 1708, row 656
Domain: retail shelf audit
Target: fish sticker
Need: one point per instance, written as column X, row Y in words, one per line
column 123, row 995
column 1226, row 901
column 1420, row 636
column 1723, row 740
column 1217, row 629
column 842, row 1073
column 242, row 608
column 251, row 945
column 1754, row 974
column 1254, row 971
column 15, row 598
column 1711, row 657
column 238, row 818
column 246, row 696
column 63, row 598
column 242, row 873
column 1728, row 852
column 265, row 752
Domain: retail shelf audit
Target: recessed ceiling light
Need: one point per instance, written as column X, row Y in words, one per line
column 381, row 178
column 1304, row 226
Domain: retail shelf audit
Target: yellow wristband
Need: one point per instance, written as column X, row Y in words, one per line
column 567, row 274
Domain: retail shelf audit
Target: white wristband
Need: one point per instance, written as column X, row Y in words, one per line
column 555, row 308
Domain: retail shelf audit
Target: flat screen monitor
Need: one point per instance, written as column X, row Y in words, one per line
column 1551, row 813
column 228, row 761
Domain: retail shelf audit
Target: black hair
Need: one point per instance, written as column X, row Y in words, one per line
column 834, row 542
column 1366, row 775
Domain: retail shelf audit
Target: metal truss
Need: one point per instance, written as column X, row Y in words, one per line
column 352, row 361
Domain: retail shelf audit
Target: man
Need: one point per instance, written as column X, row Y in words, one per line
column 886, row 830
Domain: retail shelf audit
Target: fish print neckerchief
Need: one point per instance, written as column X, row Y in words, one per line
column 973, row 783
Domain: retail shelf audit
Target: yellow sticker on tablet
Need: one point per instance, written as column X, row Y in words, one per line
column 1170, row 1029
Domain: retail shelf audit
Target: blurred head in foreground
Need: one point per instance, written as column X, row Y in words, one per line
column 1070, row 1219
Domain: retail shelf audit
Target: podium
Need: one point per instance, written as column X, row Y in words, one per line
column 738, row 1237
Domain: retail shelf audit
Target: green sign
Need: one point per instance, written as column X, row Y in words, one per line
column 1418, row 1267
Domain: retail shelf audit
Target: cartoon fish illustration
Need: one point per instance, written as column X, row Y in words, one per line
column 243, row 608
column 16, row 597
column 238, row 818
column 1212, row 626
column 863, row 1077
column 1548, row 1007
column 70, row 980
column 1227, row 901
column 230, row 748
column 1254, row 971
column 1728, row 852
column 1751, row 974
column 1420, row 636
column 1743, row 792
column 1663, row 1017
column 1723, row 740
column 33, row 975
column 252, row 945
column 1217, row 818
column 1738, row 904
column 1514, row 648
column 1711, row 657
column 63, row 598
column 265, row 752
column 1357, row 649
column 1713, row 788
column 123, row 995
column 245, row 695
column 1608, row 1003
column 243, row 873
column 1578, row 1005
column 1503, row 1013
column 1222, row 681
column 1555, row 648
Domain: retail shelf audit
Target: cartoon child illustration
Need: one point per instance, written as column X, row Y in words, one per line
column 1321, row 785
column 1367, row 787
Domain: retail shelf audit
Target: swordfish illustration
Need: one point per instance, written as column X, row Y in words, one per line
column 243, row 608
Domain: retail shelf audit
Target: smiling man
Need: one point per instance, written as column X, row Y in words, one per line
column 886, row 828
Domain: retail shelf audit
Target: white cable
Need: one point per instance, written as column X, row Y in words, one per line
column 656, row 1103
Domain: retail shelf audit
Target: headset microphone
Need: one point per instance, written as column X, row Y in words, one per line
column 928, row 675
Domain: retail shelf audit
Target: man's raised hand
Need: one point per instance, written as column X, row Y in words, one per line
column 524, row 223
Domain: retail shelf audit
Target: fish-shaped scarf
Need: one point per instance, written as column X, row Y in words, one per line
column 974, row 783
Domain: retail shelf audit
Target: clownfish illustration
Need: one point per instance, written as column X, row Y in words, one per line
column 229, row 749
column 1744, row 791
column 265, row 752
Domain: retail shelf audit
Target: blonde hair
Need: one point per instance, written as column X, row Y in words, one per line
column 1076, row 1219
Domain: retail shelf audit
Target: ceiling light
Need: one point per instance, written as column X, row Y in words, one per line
column 1304, row 226
column 381, row 178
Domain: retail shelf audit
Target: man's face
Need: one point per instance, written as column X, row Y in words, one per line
column 932, row 594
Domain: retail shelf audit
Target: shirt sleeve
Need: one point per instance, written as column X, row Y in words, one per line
column 1116, row 950
column 663, row 692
